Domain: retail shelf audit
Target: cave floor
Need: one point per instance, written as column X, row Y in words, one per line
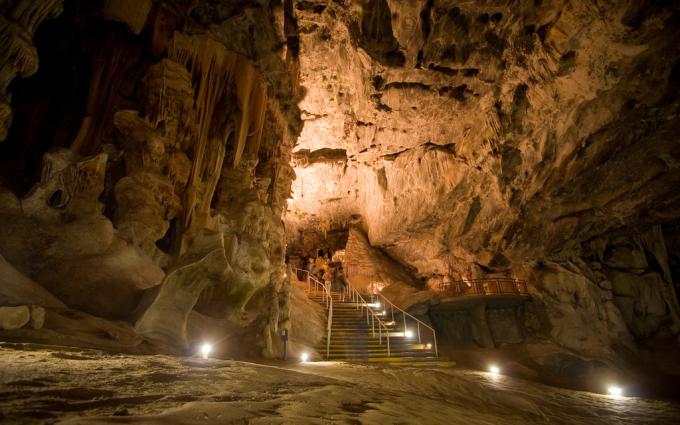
column 57, row 385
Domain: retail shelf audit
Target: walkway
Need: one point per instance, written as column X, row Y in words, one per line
column 484, row 287
column 366, row 331
column 352, row 338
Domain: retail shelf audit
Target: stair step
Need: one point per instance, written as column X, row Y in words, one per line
column 404, row 353
column 355, row 338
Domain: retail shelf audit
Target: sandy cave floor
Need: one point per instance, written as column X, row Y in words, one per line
column 50, row 385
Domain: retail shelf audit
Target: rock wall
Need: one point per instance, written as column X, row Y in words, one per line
column 165, row 198
column 521, row 139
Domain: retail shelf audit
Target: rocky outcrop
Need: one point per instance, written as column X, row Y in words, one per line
column 59, row 238
column 166, row 318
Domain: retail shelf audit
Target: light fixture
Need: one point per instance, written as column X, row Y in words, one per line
column 304, row 357
column 408, row 333
column 428, row 346
column 376, row 305
column 384, row 312
column 615, row 391
column 206, row 349
column 495, row 370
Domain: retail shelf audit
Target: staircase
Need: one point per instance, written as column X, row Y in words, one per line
column 356, row 338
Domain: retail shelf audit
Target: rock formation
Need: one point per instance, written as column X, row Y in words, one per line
column 475, row 139
column 165, row 197
column 19, row 57
column 148, row 162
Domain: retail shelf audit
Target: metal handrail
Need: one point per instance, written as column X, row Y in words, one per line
column 494, row 286
column 419, row 322
column 371, row 316
column 327, row 297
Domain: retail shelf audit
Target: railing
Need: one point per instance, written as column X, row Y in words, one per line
column 471, row 287
column 371, row 316
column 379, row 298
column 326, row 297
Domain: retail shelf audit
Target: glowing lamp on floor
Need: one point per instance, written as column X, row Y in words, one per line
column 304, row 357
column 428, row 346
column 206, row 349
column 376, row 305
column 615, row 391
column 494, row 370
column 408, row 333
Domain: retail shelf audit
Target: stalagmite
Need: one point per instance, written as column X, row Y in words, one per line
column 165, row 320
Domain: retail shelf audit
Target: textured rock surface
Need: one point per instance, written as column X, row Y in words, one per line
column 535, row 140
column 14, row 317
column 165, row 320
column 16, row 289
column 164, row 168
column 19, row 57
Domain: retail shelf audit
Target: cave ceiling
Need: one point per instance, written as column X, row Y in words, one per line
column 467, row 136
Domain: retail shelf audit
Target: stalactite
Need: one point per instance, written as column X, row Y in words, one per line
column 18, row 55
column 215, row 72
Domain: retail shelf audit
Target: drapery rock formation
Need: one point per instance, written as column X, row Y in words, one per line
column 19, row 20
column 165, row 170
column 474, row 139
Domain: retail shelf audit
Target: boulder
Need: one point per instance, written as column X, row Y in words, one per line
column 14, row 317
column 37, row 317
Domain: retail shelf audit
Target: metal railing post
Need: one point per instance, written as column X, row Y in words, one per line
column 434, row 335
column 418, row 325
column 329, row 328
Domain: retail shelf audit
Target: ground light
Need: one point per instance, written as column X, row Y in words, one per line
column 206, row 349
column 304, row 357
column 615, row 391
column 408, row 333
column 428, row 346
column 494, row 370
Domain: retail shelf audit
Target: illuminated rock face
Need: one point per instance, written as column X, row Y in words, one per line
column 165, row 168
column 473, row 138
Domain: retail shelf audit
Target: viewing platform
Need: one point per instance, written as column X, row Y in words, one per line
column 497, row 292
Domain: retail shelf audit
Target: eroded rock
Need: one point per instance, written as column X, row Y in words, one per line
column 14, row 317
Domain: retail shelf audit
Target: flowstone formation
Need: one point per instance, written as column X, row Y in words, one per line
column 163, row 181
column 533, row 140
